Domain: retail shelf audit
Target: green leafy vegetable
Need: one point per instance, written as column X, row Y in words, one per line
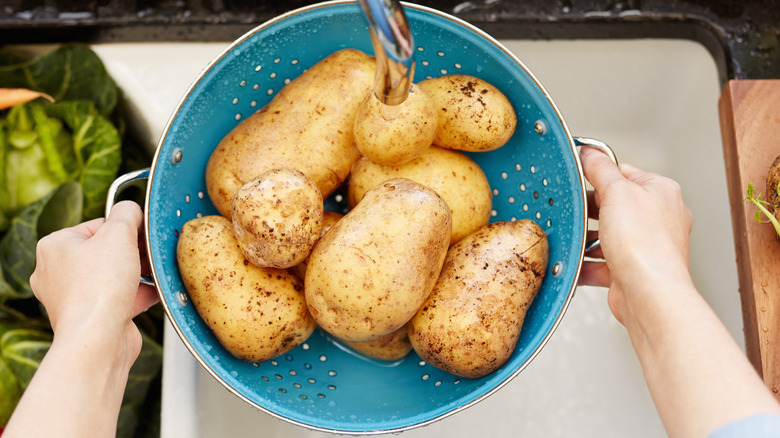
column 59, row 209
column 97, row 149
column 57, row 161
column 23, row 349
column 10, row 389
column 11, row 392
column 48, row 144
column 69, row 72
column 762, row 207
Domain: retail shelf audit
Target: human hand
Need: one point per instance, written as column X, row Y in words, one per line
column 644, row 226
column 87, row 276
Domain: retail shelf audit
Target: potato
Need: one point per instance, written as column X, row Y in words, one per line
column 329, row 218
column 395, row 134
column 773, row 187
column 470, row 323
column 307, row 126
column 370, row 273
column 277, row 218
column 474, row 115
column 451, row 174
column 255, row 313
column 392, row 346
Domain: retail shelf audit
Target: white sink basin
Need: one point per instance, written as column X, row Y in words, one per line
column 653, row 101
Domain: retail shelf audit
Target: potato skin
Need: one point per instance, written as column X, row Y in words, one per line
column 772, row 181
column 329, row 219
column 310, row 117
column 474, row 115
column 277, row 218
column 470, row 324
column 368, row 275
column 255, row 313
column 392, row 346
column 395, row 134
column 451, row 174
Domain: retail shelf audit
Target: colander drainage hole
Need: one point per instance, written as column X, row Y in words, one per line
column 332, row 373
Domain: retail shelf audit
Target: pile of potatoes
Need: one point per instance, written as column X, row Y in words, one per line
column 413, row 265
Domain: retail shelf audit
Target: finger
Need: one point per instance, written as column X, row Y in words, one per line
column 87, row 229
column 146, row 297
column 127, row 211
column 594, row 273
column 125, row 219
column 599, row 169
column 639, row 176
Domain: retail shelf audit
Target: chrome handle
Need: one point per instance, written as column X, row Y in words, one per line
column 393, row 48
column 115, row 189
column 604, row 148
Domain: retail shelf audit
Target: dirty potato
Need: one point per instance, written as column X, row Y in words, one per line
column 329, row 218
column 277, row 218
column 470, row 323
column 307, row 126
column 451, row 174
column 368, row 275
column 474, row 115
column 255, row 313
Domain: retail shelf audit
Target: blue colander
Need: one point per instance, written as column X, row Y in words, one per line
column 321, row 385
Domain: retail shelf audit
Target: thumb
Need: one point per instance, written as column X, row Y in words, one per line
column 599, row 169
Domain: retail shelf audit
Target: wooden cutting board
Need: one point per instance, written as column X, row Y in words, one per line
column 750, row 129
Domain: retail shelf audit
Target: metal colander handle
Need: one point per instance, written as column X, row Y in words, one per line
column 112, row 196
column 604, row 148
